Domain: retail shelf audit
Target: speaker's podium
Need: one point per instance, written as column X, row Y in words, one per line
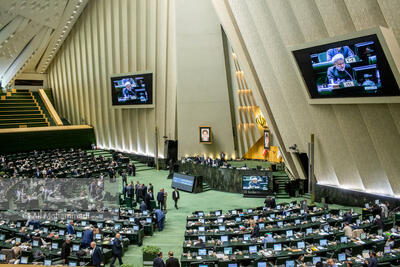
column 188, row 183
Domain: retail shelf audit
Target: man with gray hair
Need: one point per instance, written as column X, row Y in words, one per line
column 339, row 72
column 127, row 91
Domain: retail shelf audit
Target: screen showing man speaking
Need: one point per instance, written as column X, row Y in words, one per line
column 352, row 68
column 132, row 89
column 255, row 183
column 183, row 182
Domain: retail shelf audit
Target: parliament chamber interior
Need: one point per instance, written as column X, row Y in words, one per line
column 193, row 133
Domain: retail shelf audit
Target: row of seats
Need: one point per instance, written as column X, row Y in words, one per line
column 40, row 242
column 58, row 163
column 287, row 235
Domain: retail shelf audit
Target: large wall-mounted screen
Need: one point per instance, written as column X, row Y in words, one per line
column 356, row 67
column 132, row 90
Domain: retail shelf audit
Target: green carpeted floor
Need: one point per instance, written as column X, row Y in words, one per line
column 173, row 235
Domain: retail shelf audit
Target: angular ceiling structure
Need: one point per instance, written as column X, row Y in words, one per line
column 31, row 31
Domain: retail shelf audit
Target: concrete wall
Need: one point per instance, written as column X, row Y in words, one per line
column 111, row 37
column 356, row 145
column 202, row 92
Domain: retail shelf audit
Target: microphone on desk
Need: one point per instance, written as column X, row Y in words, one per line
column 349, row 74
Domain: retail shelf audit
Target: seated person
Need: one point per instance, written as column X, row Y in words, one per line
column 340, row 71
column 344, row 50
column 372, row 261
column 16, row 250
column 378, row 221
column 348, row 218
column 25, row 237
column 127, row 91
column 254, row 182
column 143, row 206
column 200, row 243
column 348, row 231
column 256, row 231
column 96, row 230
column 38, row 255
column 270, row 202
column 390, row 242
column 268, row 239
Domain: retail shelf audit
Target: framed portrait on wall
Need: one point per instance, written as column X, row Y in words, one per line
column 267, row 139
column 205, row 135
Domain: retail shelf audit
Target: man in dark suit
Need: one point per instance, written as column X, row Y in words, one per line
column 143, row 206
column 270, row 202
column 372, row 261
column 137, row 191
column 151, row 187
column 147, row 200
column 116, row 250
column 66, row 250
column 158, row 261
column 256, row 231
column 172, row 261
column 124, row 179
column 151, row 195
column 160, row 199
column 175, row 197
column 97, row 255
column 70, row 228
column 87, row 238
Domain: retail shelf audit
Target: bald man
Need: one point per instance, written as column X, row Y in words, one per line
column 116, row 250
column 97, row 255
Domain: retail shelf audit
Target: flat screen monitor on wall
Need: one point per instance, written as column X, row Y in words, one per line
column 357, row 67
column 132, row 90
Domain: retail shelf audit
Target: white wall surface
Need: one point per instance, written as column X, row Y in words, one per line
column 202, row 92
column 357, row 146
column 118, row 36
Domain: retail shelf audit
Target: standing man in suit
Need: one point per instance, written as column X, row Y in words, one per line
column 124, row 179
column 147, row 200
column 97, row 255
column 70, row 228
column 137, row 191
column 175, row 197
column 87, row 237
column 116, row 250
column 66, row 250
column 256, row 231
column 172, row 261
column 158, row 261
column 160, row 198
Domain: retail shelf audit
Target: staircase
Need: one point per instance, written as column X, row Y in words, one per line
column 282, row 179
column 206, row 187
column 20, row 109
column 141, row 166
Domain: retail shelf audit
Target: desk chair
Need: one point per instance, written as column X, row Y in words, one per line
column 281, row 260
column 9, row 254
column 357, row 250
